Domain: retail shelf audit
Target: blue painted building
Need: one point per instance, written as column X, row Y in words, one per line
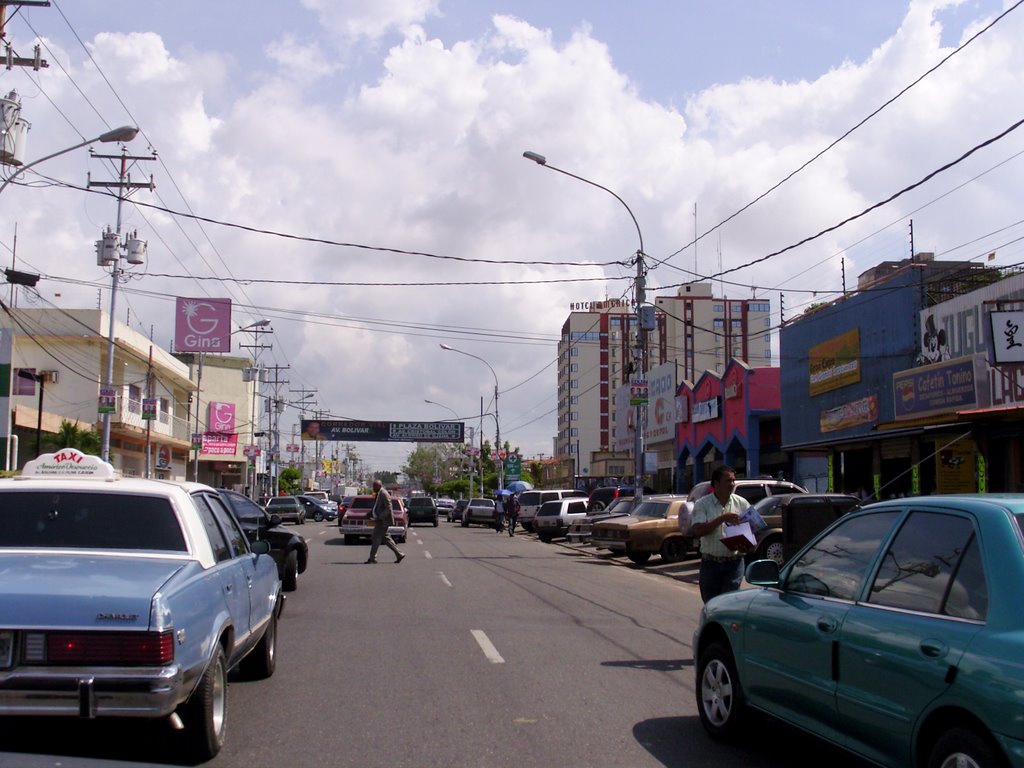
column 842, row 365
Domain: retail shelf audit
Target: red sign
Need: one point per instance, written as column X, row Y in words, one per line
column 219, row 444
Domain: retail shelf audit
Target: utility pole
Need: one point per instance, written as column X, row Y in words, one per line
column 275, row 427
column 257, row 376
column 109, row 252
column 644, row 317
column 36, row 62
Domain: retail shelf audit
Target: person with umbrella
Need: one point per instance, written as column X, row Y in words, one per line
column 512, row 511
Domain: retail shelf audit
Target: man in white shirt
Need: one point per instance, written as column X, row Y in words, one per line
column 721, row 568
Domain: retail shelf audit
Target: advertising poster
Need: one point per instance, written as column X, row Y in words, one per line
column 954, row 469
column 835, row 363
column 202, row 325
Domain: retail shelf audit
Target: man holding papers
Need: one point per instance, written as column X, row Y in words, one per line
column 721, row 562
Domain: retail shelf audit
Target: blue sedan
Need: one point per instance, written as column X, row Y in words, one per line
column 122, row 597
column 897, row 634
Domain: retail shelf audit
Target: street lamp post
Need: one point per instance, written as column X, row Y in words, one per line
column 441, row 405
column 497, row 425
column 640, row 348
column 123, row 134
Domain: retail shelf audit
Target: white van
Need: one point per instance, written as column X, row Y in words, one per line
column 531, row 501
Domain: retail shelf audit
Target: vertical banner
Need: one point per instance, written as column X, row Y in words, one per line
column 202, row 325
column 6, row 349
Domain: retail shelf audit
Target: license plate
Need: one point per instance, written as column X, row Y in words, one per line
column 6, row 648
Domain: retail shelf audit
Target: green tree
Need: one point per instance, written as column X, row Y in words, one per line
column 386, row 477
column 290, row 481
column 71, row 436
column 434, row 461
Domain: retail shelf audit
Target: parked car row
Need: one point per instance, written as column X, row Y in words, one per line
column 658, row 524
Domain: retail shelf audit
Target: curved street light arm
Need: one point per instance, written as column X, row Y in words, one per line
column 541, row 160
column 124, row 133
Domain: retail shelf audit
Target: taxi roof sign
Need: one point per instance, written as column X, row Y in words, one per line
column 69, row 462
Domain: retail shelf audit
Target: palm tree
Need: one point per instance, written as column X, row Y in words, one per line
column 71, row 436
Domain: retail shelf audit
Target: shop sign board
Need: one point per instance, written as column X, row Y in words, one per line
column 956, row 385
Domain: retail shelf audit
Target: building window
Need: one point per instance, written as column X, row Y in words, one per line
column 737, row 325
column 719, row 308
column 574, row 368
column 719, row 324
column 22, row 385
column 574, row 352
column 574, row 384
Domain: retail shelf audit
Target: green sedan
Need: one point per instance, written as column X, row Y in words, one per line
column 896, row 634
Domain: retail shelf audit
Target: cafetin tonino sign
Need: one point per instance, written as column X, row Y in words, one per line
column 385, row 431
column 956, row 385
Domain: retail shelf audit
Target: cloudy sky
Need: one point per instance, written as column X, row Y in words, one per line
column 353, row 170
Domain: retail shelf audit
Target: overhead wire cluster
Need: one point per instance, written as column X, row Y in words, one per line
column 223, row 275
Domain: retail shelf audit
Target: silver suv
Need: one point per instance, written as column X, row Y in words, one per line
column 554, row 517
column 531, row 501
column 753, row 489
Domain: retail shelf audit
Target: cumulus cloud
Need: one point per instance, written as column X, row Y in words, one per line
column 423, row 152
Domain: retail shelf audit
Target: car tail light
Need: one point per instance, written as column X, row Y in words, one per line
column 115, row 649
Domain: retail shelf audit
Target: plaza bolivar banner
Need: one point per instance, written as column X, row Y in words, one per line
column 384, row 431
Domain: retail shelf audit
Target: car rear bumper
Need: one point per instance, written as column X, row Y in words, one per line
column 91, row 692
column 356, row 529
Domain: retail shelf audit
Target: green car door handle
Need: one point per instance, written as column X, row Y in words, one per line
column 933, row 648
column 827, row 624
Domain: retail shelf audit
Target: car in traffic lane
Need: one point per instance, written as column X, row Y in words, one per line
column 458, row 511
column 895, row 634
column 356, row 522
column 289, row 550
column 289, row 508
column 422, row 509
column 317, row 510
column 124, row 597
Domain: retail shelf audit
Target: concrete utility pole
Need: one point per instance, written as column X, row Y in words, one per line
column 111, row 253
column 256, row 376
column 275, row 427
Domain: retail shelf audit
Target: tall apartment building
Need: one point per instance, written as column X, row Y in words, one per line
column 694, row 329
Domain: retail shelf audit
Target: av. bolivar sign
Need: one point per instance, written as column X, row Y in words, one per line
column 385, row 431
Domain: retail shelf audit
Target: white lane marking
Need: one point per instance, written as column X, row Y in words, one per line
column 487, row 646
column 444, row 578
column 426, row 554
